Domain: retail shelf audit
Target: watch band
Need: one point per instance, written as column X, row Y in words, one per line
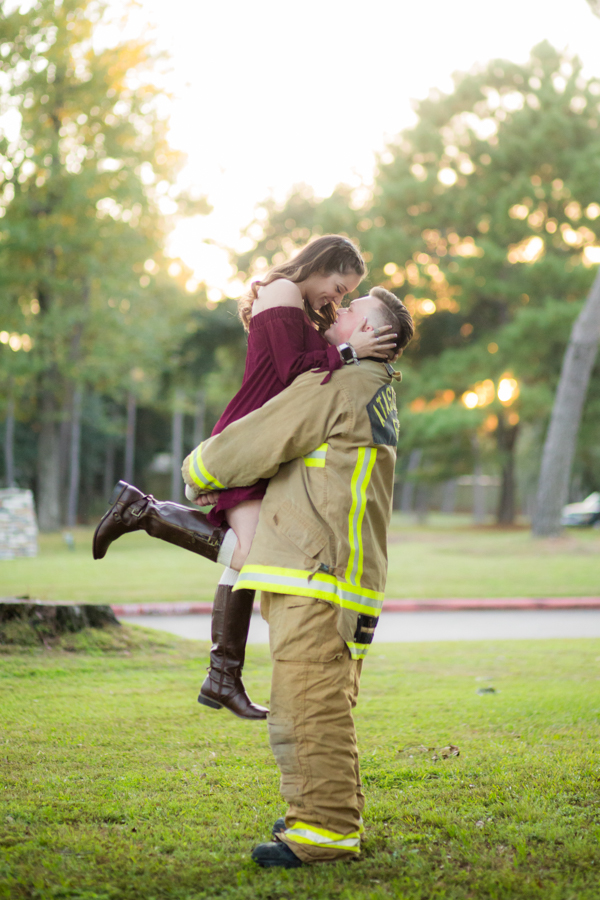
column 348, row 354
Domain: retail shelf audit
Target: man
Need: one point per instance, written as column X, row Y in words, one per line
column 319, row 558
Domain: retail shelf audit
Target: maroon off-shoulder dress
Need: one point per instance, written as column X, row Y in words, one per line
column 282, row 343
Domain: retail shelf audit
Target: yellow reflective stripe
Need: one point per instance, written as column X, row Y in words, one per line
column 358, row 487
column 302, row 833
column 316, row 459
column 319, row 577
column 321, row 586
column 200, row 473
column 357, row 651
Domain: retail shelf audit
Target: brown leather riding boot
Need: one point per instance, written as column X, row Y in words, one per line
column 130, row 510
column 223, row 685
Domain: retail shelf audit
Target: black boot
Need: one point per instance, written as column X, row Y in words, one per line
column 274, row 854
column 278, row 828
column 130, row 510
column 230, row 624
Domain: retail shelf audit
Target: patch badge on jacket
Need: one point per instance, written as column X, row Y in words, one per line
column 383, row 416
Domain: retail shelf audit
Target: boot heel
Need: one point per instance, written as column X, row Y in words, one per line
column 117, row 491
column 206, row 702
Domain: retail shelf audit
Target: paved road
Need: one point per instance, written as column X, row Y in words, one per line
column 460, row 625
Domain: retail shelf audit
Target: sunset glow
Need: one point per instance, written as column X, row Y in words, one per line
column 241, row 83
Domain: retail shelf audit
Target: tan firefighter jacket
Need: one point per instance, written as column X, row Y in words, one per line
column 329, row 450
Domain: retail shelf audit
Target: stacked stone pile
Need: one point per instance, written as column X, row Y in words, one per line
column 18, row 527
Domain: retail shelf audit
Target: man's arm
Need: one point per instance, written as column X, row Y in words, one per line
column 290, row 425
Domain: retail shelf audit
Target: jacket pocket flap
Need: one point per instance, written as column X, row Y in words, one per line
column 307, row 534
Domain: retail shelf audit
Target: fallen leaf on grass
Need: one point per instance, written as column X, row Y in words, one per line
column 446, row 753
column 411, row 749
column 487, row 690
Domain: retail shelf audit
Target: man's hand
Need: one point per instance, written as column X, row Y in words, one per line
column 208, row 499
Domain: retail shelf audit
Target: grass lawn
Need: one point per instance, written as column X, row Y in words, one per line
column 447, row 558
column 118, row 786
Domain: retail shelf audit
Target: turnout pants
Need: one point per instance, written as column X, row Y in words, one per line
column 311, row 729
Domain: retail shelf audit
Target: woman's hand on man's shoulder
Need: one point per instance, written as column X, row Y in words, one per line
column 278, row 293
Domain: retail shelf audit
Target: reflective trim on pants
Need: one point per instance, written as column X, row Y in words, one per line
column 302, row 833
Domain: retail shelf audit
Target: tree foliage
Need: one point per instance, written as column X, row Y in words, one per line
column 483, row 219
column 87, row 179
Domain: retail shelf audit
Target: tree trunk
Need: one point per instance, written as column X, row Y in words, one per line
column 64, row 450
column 561, row 439
column 478, row 495
column 479, row 508
column 109, row 468
column 48, row 468
column 130, row 437
column 177, row 449
column 408, row 488
column 449, row 496
column 200, row 417
column 421, row 503
column 507, row 439
column 9, row 445
column 74, row 458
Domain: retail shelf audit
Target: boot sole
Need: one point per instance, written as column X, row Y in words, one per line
column 212, row 703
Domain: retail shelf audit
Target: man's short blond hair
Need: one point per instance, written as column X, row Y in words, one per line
column 393, row 312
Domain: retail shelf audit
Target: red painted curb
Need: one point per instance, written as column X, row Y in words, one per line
column 445, row 604
column 456, row 603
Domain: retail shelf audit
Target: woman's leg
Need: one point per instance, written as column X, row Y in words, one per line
column 232, row 610
column 131, row 510
column 243, row 518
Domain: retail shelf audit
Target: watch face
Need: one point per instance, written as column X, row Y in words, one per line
column 346, row 353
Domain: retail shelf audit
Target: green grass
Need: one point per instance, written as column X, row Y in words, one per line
column 444, row 559
column 117, row 785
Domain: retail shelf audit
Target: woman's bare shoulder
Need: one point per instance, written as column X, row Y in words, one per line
column 278, row 293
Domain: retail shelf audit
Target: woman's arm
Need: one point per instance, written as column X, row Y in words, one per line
column 285, row 332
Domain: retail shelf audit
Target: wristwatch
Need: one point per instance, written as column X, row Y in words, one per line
column 348, row 354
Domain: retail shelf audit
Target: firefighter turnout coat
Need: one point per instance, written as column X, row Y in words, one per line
column 329, row 450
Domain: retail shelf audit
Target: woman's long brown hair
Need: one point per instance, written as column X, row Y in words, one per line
column 325, row 255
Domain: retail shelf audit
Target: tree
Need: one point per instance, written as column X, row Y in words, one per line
column 561, row 440
column 82, row 188
column 482, row 214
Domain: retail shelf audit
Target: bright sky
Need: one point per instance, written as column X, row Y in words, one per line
column 270, row 93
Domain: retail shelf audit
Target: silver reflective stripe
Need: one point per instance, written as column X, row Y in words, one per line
column 318, row 587
column 357, row 651
column 302, row 833
column 200, row 473
column 316, row 459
